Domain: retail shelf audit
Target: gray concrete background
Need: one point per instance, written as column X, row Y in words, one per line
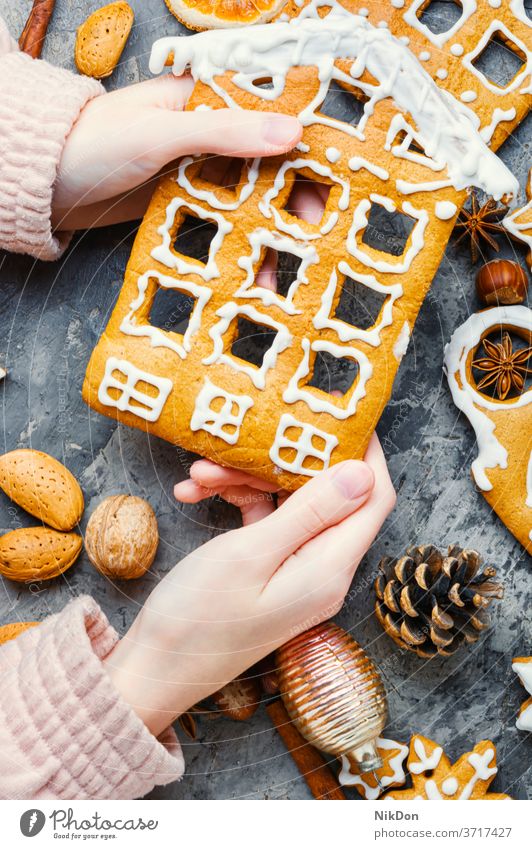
column 51, row 316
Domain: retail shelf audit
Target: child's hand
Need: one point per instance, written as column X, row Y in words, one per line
column 123, row 139
column 246, row 592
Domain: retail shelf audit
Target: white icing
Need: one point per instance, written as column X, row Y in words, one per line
column 449, row 786
column 227, row 313
column 358, row 162
column 398, row 4
column 209, row 196
column 401, row 343
column 333, row 154
column 482, row 771
column 424, row 55
column 445, row 209
column 130, row 398
column 491, row 453
column 529, row 483
column 398, row 124
column 523, row 230
column 499, row 115
column 363, row 12
column 159, row 338
column 468, row 96
column 494, row 3
column 395, row 765
column 163, row 253
column 347, row 332
column 292, row 227
column 457, row 49
column 429, row 186
column 426, row 762
column 303, row 147
column 518, row 9
column 259, row 240
column 442, row 74
column 273, row 49
column 416, row 240
column 318, row 401
column 304, row 446
column 520, row 77
column 439, row 39
column 524, row 670
column 223, row 423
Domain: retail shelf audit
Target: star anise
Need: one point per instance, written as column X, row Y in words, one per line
column 504, row 367
column 477, row 223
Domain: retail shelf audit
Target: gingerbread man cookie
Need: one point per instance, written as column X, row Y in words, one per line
column 487, row 379
column 435, row 778
column 390, row 774
column 523, row 667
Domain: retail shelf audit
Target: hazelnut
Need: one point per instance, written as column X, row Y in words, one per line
column 122, row 537
column 502, row 281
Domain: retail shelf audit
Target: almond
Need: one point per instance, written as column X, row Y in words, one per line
column 9, row 632
column 102, row 38
column 239, row 699
column 37, row 554
column 42, row 486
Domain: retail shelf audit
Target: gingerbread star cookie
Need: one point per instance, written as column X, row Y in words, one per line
column 435, row 778
column 519, row 222
column 391, row 774
column 487, row 363
column 523, row 667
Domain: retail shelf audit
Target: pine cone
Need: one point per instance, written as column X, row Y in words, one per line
column 432, row 604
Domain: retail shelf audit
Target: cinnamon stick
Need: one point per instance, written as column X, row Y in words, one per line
column 32, row 39
column 313, row 767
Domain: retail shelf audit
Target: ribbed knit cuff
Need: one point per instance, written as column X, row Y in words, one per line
column 38, row 106
column 64, row 721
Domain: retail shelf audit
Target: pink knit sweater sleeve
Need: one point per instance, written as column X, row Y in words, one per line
column 38, row 106
column 65, row 732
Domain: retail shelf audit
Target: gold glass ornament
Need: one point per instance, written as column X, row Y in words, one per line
column 333, row 694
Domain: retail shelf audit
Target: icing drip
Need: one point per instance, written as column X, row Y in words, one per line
column 445, row 209
column 498, row 116
column 394, row 765
column 401, row 343
column 227, row 313
column 398, row 124
column 524, row 670
column 347, row 332
column 333, row 154
column 164, row 254
column 273, row 49
column 523, row 230
column 129, row 398
column 468, row 96
column 318, row 401
column 457, row 49
column 467, row 398
column 311, row 443
column 223, row 422
column 442, row 74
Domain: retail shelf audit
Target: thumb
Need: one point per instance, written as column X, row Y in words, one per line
column 230, row 132
column 326, row 500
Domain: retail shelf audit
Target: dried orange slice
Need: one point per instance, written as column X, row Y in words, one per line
column 215, row 14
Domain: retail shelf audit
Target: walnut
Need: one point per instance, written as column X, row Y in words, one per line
column 122, row 537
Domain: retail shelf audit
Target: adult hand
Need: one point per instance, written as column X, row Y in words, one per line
column 246, row 592
column 121, row 140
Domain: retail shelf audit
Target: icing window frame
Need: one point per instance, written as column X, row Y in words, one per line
column 469, row 59
column 318, row 400
column 308, row 433
column 297, row 228
column 204, row 417
column 136, row 321
column 373, row 258
column 217, row 197
column 148, row 408
column 260, row 240
column 325, row 318
column 413, row 14
column 224, row 334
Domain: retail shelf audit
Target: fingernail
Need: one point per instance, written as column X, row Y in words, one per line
column 353, row 478
column 280, row 130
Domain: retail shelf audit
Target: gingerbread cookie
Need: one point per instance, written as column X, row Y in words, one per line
column 435, row 778
column 519, row 222
column 523, row 667
column 390, row 774
column 487, row 377
column 408, row 155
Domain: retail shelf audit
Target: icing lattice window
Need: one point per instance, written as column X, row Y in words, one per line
column 500, row 61
column 128, row 389
column 421, row 18
column 219, row 412
column 301, row 448
column 387, row 229
column 381, row 258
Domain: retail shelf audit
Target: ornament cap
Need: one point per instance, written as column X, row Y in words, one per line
column 365, row 758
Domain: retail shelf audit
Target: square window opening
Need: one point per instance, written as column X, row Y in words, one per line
column 342, row 105
column 359, row 306
column 440, row 15
column 194, row 237
column 278, row 271
column 263, row 82
column 386, row 231
column 333, row 375
column 288, row 454
column 308, row 205
column 171, row 310
column 222, row 171
column 500, row 61
column 252, row 341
